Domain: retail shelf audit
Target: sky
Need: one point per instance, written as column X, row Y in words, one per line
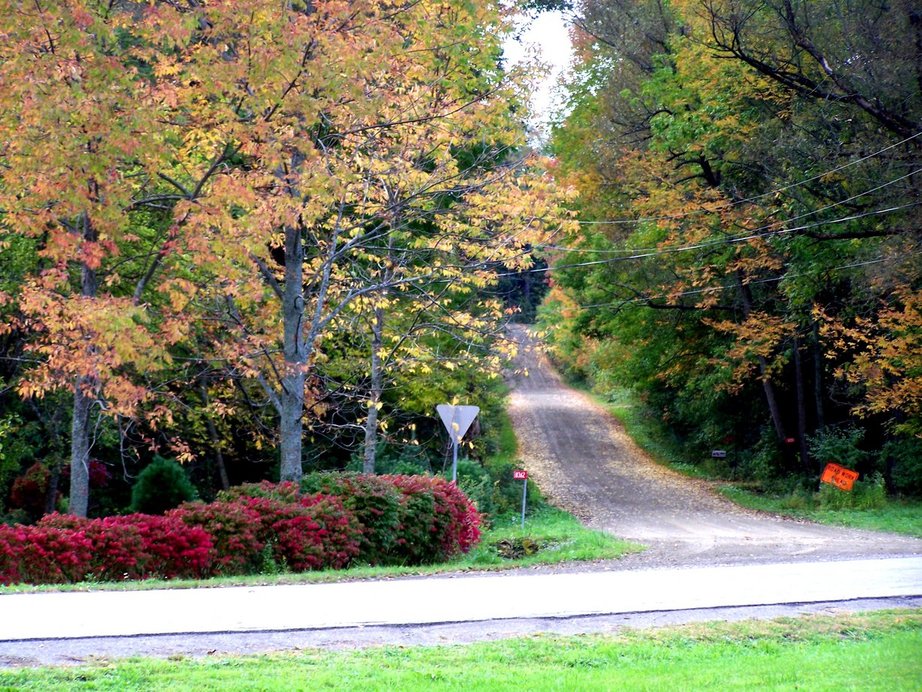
column 547, row 36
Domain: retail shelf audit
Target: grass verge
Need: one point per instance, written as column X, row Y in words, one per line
column 864, row 651
column 896, row 516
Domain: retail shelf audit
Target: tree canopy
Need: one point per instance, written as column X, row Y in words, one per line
column 748, row 255
column 208, row 206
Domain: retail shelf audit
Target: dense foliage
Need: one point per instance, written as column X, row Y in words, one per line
column 252, row 528
column 254, row 236
column 748, row 255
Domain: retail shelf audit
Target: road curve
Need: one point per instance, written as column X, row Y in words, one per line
column 585, row 462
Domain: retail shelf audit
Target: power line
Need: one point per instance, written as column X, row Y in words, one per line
column 804, row 215
column 723, row 287
column 713, row 243
column 770, row 193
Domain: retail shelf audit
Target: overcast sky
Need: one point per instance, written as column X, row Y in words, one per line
column 548, row 36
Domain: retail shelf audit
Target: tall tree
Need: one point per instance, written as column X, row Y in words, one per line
column 345, row 121
column 81, row 139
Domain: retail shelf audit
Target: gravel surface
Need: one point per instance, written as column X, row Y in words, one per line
column 583, row 460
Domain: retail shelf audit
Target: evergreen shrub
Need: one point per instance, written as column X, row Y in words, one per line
column 162, row 485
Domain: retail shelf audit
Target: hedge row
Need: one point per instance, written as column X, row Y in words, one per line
column 339, row 519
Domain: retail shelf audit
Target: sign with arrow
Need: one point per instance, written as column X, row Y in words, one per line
column 457, row 420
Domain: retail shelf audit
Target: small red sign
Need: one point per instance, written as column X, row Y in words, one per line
column 519, row 475
column 839, row 476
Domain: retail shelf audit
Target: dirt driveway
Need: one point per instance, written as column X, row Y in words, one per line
column 583, row 460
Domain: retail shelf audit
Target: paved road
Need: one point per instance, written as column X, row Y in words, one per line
column 436, row 600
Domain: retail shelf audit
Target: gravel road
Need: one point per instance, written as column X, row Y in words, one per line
column 584, row 461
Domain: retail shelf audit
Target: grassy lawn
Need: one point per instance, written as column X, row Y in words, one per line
column 865, row 651
column 897, row 516
column 550, row 536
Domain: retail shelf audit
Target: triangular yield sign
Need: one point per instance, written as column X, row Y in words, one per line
column 457, row 419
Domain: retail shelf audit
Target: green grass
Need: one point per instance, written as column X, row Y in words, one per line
column 561, row 537
column 872, row 651
column 896, row 516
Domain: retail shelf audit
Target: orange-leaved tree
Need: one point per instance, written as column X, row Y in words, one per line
column 82, row 142
column 371, row 144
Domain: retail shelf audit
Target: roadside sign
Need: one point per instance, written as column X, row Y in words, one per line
column 718, row 454
column 457, row 420
column 522, row 475
column 839, row 476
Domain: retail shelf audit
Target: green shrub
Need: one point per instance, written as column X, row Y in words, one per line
column 161, row 486
column 904, row 459
column 866, row 494
column 477, row 483
column 764, row 461
column 374, row 501
column 838, row 445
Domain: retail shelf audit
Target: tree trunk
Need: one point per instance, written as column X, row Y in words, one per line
column 80, row 450
column 818, row 378
column 213, row 436
column 291, row 397
column 767, row 386
column 801, row 408
column 377, row 386
column 54, row 481
column 80, row 424
column 772, row 401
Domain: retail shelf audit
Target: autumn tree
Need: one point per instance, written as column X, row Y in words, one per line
column 758, row 171
column 346, row 121
column 82, row 142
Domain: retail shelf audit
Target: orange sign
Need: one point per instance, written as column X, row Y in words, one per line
column 839, row 476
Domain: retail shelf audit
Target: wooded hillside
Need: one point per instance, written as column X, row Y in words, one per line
column 748, row 259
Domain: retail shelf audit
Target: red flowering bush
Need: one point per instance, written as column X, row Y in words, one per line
column 234, row 529
column 176, row 549
column 407, row 519
column 118, row 549
column 437, row 520
column 312, row 532
column 376, row 504
column 286, row 491
column 43, row 555
column 30, row 489
column 137, row 546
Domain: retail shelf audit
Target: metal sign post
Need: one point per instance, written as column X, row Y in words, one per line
column 522, row 475
column 457, row 420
